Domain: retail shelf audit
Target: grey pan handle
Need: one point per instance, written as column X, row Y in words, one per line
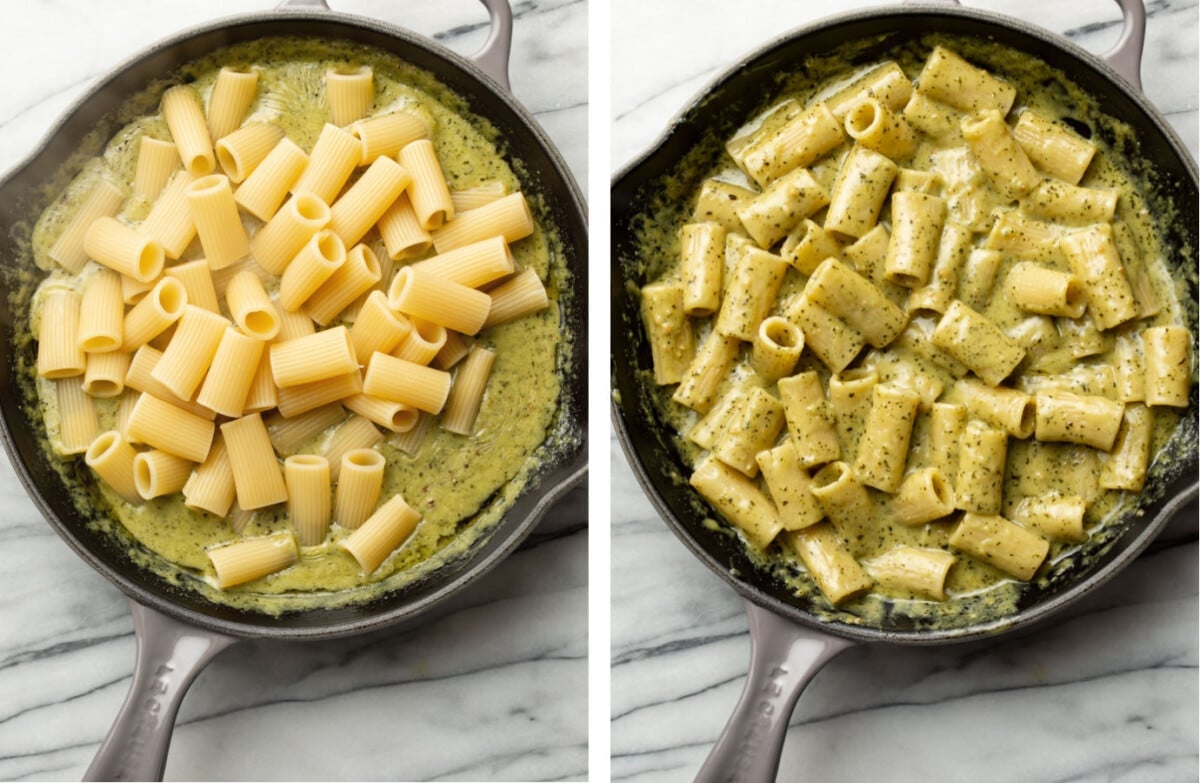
column 1125, row 57
column 784, row 657
column 492, row 58
column 169, row 656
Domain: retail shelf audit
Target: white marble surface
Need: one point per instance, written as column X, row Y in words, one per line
column 1107, row 694
column 494, row 688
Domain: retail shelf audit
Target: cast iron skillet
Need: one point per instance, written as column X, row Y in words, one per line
column 789, row 641
column 178, row 631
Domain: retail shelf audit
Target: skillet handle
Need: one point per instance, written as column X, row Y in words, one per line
column 492, row 58
column 1126, row 55
column 784, row 657
column 169, row 656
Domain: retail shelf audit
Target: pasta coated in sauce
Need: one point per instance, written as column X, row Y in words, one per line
column 963, row 270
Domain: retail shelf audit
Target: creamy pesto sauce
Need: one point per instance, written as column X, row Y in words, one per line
column 979, row 592
column 460, row 485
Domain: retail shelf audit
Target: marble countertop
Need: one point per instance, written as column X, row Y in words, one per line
column 494, row 687
column 1107, row 693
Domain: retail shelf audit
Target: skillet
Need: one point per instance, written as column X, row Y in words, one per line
column 181, row 630
column 779, row 628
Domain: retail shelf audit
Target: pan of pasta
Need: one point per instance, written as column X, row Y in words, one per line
column 904, row 329
column 294, row 331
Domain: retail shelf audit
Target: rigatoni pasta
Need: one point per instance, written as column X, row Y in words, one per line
column 242, row 151
column 971, row 389
column 240, row 329
column 232, row 94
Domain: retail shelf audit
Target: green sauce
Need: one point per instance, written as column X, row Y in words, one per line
column 460, row 485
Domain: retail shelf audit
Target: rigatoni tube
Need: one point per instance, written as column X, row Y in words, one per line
column 412, row 384
column 218, row 223
column 59, row 354
column 1094, row 259
column 78, row 424
column 309, row 504
column 837, row 573
column 851, row 297
column 382, row 533
column 265, row 189
column 508, row 217
column 378, row 327
column 777, row 346
column 668, row 330
column 163, row 306
column 104, row 200
column 909, row 569
column 980, row 478
column 466, row 394
column 1168, row 365
column 753, row 428
column 124, row 250
column 187, row 358
column 250, row 307
column 210, row 486
column 883, row 448
column 1089, row 420
column 1053, row 516
column 252, row 558
column 256, row 474
column 163, row 426
column 992, row 144
column 419, row 293
column 476, row 264
column 334, row 157
column 737, row 499
column 847, row 504
column 112, row 459
column 809, row 418
column 233, row 92
column 324, row 354
column 977, row 342
column 316, row 262
column 157, row 473
column 750, row 292
column 350, row 91
column 1038, row 289
column 231, row 373
column 923, row 496
column 364, row 202
column 701, row 266
column 1004, row 544
column 185, row 117
column 277, row 243
column 875, row 126
column 790, row 487
column 242, row 151
column 357, row 274
column 359, row 482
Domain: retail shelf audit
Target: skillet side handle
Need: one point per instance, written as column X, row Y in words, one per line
column 493, row 57
column 169, row 656
column 784, row 657
column 302, row 4
column 1126, row 55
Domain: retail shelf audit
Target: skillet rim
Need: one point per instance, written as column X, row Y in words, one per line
column 564, row 463
column 1118, row 553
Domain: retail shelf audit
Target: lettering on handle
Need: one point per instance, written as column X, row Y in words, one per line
column 762, row 713
column 157, row 698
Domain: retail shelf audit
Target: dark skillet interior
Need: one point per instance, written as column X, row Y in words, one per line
column 662, row 176
column 543, row 175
